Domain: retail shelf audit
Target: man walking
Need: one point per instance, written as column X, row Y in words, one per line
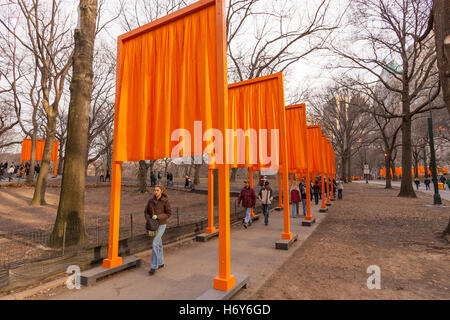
column 266, row 197
column 427, row 183
column 248, row 198
column 340, row 187
column 302, row 187
column 316, row 189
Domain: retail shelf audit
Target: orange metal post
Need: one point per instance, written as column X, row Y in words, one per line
column 308, row 199
column 250, row 180
column 210, row 228
column 323, row 193
column 224, row 281
column 113, row 259
column 328, row 189
column 280, row 189
column 287, row 234
column 332, row 188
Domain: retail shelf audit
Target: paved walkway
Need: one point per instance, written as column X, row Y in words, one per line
column 191, row 267
column 445, row 194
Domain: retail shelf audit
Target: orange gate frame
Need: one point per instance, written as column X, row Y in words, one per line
column 217, row 94
column 40, row 144
column 317, row 156
column 298, row 143
column 266, row 117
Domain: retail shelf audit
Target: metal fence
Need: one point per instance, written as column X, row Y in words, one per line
column 29, row 245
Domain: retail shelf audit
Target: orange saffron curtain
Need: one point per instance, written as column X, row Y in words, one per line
column 26, row 150
column 329, row 159
column 313, row 134
column 324, row 153
column 297, row 140
column 255, row 105
column 167, row 80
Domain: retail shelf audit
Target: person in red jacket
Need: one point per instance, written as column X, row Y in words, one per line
column 248, row 198
column 295, row 200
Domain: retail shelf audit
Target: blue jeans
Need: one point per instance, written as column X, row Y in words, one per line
column 304, row 206
column 294, row 210
column 157, row 253
column 266, row 209
column 248, row 215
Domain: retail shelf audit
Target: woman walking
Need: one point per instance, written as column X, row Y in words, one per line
column 158, row 208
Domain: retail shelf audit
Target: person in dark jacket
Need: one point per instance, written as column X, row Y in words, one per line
column 248, row 198
column 316, row 189
column 417, row 182
column 427, row 182
column 158, row 208
column 302, row 187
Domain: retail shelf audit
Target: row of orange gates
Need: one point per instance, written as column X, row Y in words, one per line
column 420, row 170
column 171, row 81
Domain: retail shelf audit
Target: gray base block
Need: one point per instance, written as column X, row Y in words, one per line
column 323, row 210
column 242, row 281
column 90, row 276
column 284, row 244
column 278, row 208
column 328, row 204
column 308, row 223
column 203, row 237
column 332, row 199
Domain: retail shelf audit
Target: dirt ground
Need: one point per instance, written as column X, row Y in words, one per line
column 16, row 214
column 371, row 226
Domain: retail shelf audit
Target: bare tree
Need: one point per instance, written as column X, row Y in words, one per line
column 71, row 200
column 440, row 18
column 394, row 28
column 47, row 36
column 342, row 119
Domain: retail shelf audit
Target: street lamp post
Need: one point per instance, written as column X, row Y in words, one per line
column 437, row 197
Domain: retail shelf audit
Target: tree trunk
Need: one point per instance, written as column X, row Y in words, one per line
column 387, row 163
column 60, row 158
column 30, row 177
column 197, row 174
column 41, row 183
column 233, row 174
column 71, row 200
column 416, row 166
column 142, row 176
column 343, row 168
column 447, row 230
column 425, row 161
column 349, row 169
column 406, row 188
column 441, row 14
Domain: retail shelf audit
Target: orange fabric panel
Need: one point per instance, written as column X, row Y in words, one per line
column 167, row 80
column 398, row 171
column 297, row 140
column 40, row 144
column 382, row 172
column 324, row 153
column 313, row 135
column 329, row 151
column 255, row 104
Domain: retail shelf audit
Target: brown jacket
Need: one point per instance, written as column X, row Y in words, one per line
column 159, row 207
